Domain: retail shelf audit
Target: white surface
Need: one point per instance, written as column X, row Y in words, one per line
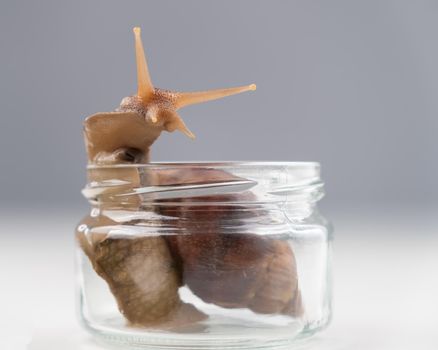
column 386, row 283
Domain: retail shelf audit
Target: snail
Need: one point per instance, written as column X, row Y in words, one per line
column 141, row 272
column 145, row 273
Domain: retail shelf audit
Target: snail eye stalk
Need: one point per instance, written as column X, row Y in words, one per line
column 160, row 106
column 145, row 88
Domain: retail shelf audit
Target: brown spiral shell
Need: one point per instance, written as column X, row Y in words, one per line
column 239, row 270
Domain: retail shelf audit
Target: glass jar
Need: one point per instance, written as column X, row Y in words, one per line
column 204, row 255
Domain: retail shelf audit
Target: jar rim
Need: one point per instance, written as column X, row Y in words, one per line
column 270, row 182
column 232, row 163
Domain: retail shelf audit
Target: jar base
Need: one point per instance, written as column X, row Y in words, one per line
column 149, row 343
column 294, row 337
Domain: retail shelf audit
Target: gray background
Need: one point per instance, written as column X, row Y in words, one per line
column 351, row 84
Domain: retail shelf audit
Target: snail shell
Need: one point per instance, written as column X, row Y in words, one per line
column 239, row 270
column 142, row 276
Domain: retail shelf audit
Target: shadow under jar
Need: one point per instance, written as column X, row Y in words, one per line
column 204, row 255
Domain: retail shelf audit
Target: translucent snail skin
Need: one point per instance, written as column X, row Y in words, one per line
column 144, row 274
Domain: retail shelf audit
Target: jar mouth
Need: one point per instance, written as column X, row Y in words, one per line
column 205, row 183
column 201, row 164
